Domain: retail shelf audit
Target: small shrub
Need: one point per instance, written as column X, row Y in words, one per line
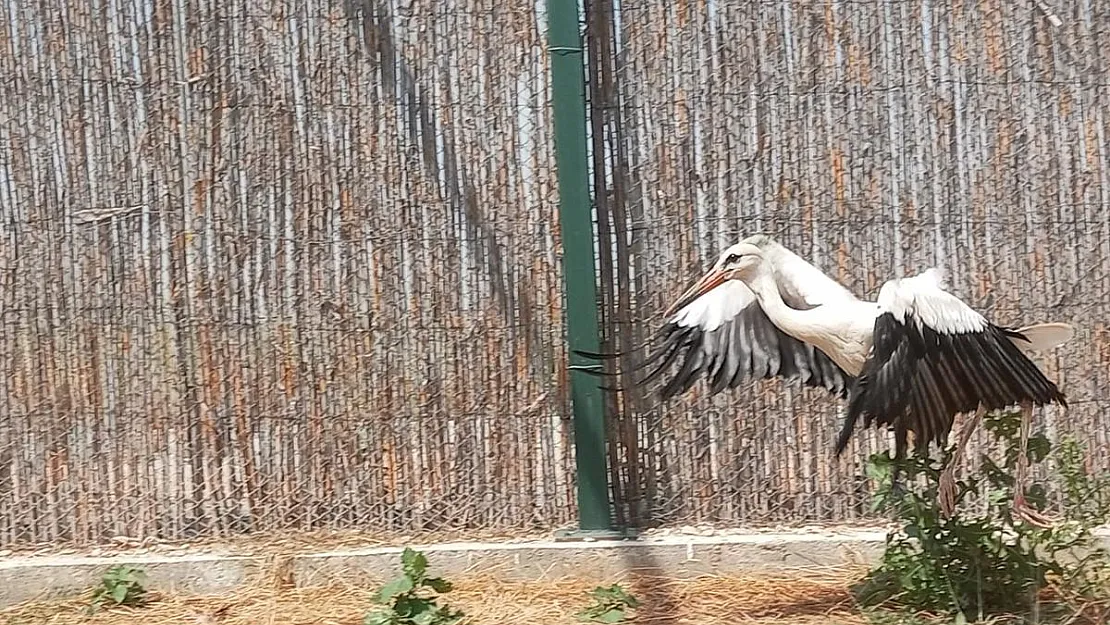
column 409, row 599
column 1086, row 497
column 970, row 566
column 611, row 605
column 120, row 585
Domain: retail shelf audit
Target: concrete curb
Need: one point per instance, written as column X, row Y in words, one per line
column 673, row 556
column 678, row 556
column 24, row 579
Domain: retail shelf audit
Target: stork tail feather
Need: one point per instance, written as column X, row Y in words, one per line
column 1042, row 337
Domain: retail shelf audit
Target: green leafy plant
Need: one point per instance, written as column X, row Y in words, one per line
column 611, row 605
column 1086, row 497
column 411, row 598
column 120, row 585
column 973, row 565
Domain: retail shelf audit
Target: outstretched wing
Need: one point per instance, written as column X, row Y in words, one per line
column 932, row 358
column 725, row 338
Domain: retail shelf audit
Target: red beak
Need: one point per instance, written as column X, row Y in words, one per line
column 707, row 283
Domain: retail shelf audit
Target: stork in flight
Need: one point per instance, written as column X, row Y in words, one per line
column 910, row 361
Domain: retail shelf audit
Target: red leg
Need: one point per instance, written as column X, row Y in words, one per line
column 1022, row 509
column 946, row 488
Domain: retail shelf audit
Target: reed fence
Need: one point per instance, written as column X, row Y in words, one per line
column 276, row 264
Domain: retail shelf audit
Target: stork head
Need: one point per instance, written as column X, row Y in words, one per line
column 741, row 261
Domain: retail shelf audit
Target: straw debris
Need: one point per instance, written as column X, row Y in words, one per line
column 707, row 600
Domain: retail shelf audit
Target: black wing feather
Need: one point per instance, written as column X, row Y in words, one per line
column 917, row 380
column 745, row 348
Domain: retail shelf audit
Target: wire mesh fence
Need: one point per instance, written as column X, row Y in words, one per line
column 876, row 139
column 278, row 265
column 296, row 265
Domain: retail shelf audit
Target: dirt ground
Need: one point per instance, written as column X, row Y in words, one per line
column 270, row 600
column 704, row 601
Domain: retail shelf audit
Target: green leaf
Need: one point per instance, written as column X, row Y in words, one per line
column 409, row 606
column 392, row 589
column 427, row 617
column 448, row 616
column 878, row 468
column 119, row 593
column 612, row 615
column 617, row 594
column 438, row 584
column 600, row 593
column 379, row 617
column 414, row 563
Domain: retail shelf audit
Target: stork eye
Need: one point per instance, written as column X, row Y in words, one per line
column 732, row 258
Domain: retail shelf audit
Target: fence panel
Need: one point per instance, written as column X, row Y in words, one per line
column 278, row 265
column 876, row 138
column 274, row 265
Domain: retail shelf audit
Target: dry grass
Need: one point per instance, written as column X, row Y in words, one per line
column 702, row 601
column 708, row 600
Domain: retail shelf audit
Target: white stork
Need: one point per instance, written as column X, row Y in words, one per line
column 911, row 361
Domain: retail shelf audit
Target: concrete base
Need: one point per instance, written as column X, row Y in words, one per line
column 24, row 579
column 673, row 556
column 677, row 556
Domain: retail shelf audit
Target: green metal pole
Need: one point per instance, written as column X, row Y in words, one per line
column 568, row 90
